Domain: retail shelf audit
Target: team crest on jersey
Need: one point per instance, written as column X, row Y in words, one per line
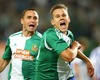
column 35, row 47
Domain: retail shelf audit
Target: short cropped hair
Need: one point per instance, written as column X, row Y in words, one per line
column 23, row 13
column 58, row 6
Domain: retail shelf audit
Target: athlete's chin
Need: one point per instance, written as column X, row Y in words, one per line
column 31, row 30
column 63, row 30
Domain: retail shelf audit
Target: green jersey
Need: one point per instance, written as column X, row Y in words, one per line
column 49, row 65
column 22, row 52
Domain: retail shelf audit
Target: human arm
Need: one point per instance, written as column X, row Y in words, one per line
column 3, row 64
column 6, row 56
column 90, row 67
column 70, row 53
column 61, row 46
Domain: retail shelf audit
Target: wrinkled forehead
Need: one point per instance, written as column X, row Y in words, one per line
column 31, row 13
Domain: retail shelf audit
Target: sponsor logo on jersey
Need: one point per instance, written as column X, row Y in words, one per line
column 23, row 54
column 35, row 47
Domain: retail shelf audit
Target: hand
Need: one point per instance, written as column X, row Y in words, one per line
column 76, row 44
column 90, row 69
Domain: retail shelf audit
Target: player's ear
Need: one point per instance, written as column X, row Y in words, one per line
column 38, row 23
column 52, row 21
column 21, row 20
column 69, row 18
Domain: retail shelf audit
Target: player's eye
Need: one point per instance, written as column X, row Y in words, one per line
column 35, row 18
column 57, row 16
column 64, row 15
column 29, row 17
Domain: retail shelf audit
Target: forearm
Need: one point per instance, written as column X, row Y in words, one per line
column 80, row 55
column 90, row 67
column 3, row 64
column 71, row 53
column 74, row 51
column 1, row 69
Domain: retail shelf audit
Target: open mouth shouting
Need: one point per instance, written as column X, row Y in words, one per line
column 63, row 24
column 32, row 25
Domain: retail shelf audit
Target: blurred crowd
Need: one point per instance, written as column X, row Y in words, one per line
column 84, row 14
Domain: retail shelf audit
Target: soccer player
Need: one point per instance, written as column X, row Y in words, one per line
column 58, row 43
column 94, row 57
column 22, row 47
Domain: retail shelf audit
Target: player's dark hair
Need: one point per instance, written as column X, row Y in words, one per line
column 23, row 13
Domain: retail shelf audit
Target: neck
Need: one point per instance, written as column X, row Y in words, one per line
column 64, row 33
column 28, row 34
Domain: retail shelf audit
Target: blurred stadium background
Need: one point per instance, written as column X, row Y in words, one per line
column 84, row 14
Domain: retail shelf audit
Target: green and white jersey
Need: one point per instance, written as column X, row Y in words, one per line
column 49, row 65
column 22, row 52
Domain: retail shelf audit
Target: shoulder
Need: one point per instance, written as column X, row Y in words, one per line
column 69, row 32
column 38, row 34
column 15, row 34
column 49, row 32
